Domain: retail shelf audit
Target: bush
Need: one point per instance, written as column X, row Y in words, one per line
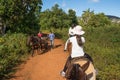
column 12, row 50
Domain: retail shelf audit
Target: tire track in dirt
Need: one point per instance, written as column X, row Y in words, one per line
column 46, row 66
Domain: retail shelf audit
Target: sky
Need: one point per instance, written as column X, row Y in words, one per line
column 108, row 7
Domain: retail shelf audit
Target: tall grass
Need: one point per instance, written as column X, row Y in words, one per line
column 103, row 44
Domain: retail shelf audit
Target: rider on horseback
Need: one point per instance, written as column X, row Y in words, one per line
column 39, row 34
column 77, row 42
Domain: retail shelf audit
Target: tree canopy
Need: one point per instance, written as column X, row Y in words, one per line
column 20, row 15
column 57, row 18
column 89, row 18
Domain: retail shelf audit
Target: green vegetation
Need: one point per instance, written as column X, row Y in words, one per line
column 57, row 18
column 20, row 15
column 12, row 51
column 90, row 19
column 21, row 18
column 103, row 44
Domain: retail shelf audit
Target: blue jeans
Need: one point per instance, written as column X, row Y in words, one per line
column 52, row 43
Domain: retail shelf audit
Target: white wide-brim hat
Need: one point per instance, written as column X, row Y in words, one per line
column 78, row 30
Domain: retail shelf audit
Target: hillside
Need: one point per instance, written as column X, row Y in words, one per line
column 114, row 18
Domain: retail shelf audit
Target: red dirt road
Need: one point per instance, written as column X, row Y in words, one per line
column 46, row 66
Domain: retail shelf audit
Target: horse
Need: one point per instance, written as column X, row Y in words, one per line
column 37, row 44
column 44, row 36
column 81, row 69
column 44, row 44
column 33, row 42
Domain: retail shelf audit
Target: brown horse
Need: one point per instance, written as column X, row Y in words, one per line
column 44, row 41
column 81, row 69
column 44, row 44
column 34, row 44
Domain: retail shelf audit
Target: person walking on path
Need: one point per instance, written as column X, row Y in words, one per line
column 51, row 37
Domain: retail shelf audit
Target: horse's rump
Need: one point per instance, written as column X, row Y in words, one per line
column 35, row 41
column 85, row 71
column 44, row 44
column 44, row 36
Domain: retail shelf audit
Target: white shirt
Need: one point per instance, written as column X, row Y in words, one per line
column 77, row 50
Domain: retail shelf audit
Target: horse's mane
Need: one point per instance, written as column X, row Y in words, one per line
column 76, row 69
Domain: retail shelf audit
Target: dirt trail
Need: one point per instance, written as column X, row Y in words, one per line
column 46, row 66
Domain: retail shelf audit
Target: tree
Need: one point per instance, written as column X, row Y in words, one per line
column 93, row 20
column 72, row 16
column 86, row 16
column 54, row 18
column 20, row 15
column 99, row 20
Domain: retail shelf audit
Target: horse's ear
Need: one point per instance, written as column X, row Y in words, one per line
column 85, row 66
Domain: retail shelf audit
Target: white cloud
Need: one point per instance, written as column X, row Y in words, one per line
column 63, row 4
column 95, row 0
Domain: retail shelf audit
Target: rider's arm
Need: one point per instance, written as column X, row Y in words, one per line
column 65, row 48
